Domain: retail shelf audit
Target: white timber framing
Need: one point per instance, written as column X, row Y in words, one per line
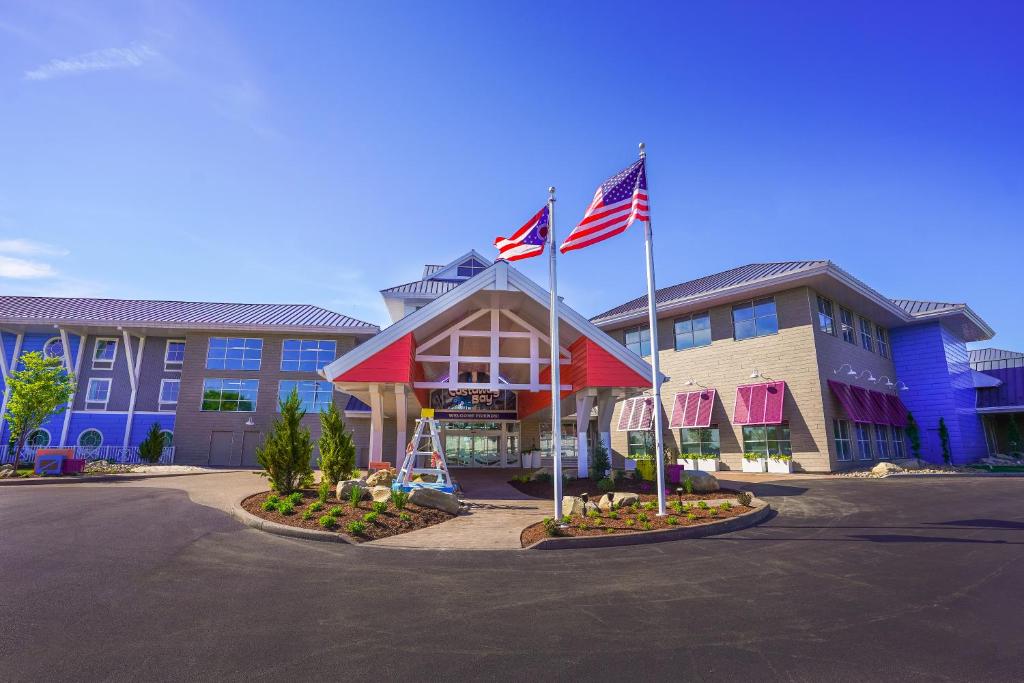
column 19, row 338
column 75, row 369
column 401, row 418
column 584, row 404
column 493, row 360
column 376, row 423
column 134, row 369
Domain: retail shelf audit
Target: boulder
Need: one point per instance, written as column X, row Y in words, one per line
column 908, row 463
column 344, row 488
column 379, row 493
column 426, row 478
column 702, row 481
column 381, row 478
column 433, row 498
column 610, row 501
column 885, row 468
column 6, row 471
column 572, row 505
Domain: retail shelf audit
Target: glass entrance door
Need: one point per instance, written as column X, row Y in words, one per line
column 475, row 444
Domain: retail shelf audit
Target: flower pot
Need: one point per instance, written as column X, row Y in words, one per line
column 780, row 466
column 682, row 461
column 753, row 465
column 687, row 463
column 708, row 465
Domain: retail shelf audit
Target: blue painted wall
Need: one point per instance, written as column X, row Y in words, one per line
column 933, row 361
column 110, row 425
column 35, row 341
column 142, row 423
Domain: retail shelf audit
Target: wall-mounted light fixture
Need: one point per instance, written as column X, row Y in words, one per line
column 691, row 382
column 851, row 372
column 870, row 378
column 904, row 386
column 888, row 382
column 250, row 422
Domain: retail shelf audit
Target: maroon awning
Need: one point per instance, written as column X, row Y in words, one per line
column 897, row 411
column 692, row 409
column 637, row 413
column 759, row 404
column 870, row 408
column 853, row 408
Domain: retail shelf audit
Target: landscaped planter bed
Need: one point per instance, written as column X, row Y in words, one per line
column 576, row 487
column 635, row 519
column 387, row 523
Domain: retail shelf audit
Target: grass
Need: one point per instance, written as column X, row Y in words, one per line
column 999, row 468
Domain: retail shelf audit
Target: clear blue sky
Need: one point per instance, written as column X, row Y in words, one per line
column 318, row 152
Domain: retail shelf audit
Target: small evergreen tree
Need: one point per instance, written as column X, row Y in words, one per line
column 599, row 462
column 337, row 450
column 947, row 455
column 285, row 452
column 1013, row 438
column 40, row 389
column 914, row 434
column 152, row 447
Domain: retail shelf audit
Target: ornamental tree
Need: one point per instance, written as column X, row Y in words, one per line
column 285, row 452
column 914, row 434
column 337, row 450
column 152, row 447
column 947, row 454
column 40, row 389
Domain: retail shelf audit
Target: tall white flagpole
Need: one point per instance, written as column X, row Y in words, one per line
column 556, row 396
column 652, row 319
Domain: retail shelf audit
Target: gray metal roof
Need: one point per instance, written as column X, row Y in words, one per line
column 980, row 355
column 925, row 307
column 750, row 273
column 27, row 309
column 429, row 287
column 432, row 268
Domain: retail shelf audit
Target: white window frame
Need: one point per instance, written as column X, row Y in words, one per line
column 319, row 343
column 882, row 341
column 823, row 304
column 843, row 440
column 172, row 365
column 102, row 364
column 692, row 334
column 899, row 446
column 862, row 452
column 90, row 404
column 209, row 348
column 49, row 437
column 160, row 397
column 867, row 334
column 882, row 443
column 78, row 441
column 50, row 341
column 329, row 387
column 638, row 330
column 848, row 325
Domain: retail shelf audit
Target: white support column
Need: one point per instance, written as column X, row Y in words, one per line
column 134, row 368
column 7, row 370
column 76, row 370
column 401, row 419
column 495, row 367
column 584, row 404
column 376, row 423
column 605, row 407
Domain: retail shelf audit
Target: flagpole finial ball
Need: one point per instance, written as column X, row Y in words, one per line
column 643, row 148
column 551, row 189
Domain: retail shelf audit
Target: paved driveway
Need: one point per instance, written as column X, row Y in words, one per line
column 853, row 580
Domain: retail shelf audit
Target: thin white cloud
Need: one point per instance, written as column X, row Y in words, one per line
column 23, row 269
column 24, row 247
column 132, row 56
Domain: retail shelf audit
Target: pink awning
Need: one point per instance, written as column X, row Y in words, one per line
column 627, row 412
column 692, row 409
column 896, row 411
column 637, row 413
column 759, row 404
column 870, row 409
column 844, row 392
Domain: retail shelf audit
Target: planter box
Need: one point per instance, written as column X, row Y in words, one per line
column 780, row 466
column 704, row 465
column 753, row 465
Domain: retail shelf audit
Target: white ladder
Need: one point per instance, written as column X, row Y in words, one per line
column 438, row 466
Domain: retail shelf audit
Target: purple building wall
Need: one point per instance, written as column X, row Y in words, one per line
column 1010, row 394
column 934, row 363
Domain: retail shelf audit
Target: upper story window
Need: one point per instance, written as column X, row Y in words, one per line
column 104, row 353
column 866, row 339
column 826, row 321
column 846, row 322
column 314, row 396
column 234, row 353
column 230, row 395
column 692, row 331
column 882, row 339
column 470, row 268
column 54, row 348
column 638, row 340
column 97, row 393
column 169, row 389
column 174, row 354
column 307, row 355
column 754, row 319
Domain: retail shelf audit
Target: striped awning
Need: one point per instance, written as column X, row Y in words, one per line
column 759, row 404
column 637, row 413
column 867, row 405
column 692, row 409
column 851, row 404
column 871, row 408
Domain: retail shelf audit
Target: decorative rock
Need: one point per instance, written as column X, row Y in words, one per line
column 884, row 468
column 6, row 471
column 344, row 488
column 572, row 505
column 379, row 493
column 908, row 463
column 617, row 500
column 432, row 498
column 381, row 478
column 702, row 481
column 426, row 478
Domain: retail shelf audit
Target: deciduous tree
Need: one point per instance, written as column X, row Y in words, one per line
column 41, row 388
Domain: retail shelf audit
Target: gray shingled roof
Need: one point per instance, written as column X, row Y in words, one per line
column 982, row 355
column 750, row 273
column 925, row 307
column 172, row 313
column 423, row 287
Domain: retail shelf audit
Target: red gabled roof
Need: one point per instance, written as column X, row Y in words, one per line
column 393, row 363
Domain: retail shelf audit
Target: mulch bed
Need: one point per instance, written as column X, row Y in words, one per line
column 642, row 517
column 387, row 523
column 575, row 487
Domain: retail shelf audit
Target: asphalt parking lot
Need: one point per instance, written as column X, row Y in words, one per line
column 895, row 579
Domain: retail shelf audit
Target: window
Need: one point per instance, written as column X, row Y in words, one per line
column 234, row 353
column 174, row 354
column 307, row 355
column 470, row 268
column 40, row 438
column 230, row 395
column 640, row 444
column 767, row 439
column 847, row 323
column 315, row 396
column 863, row 441
column 568, row 439
column 168, row 437
column 754, row 319
column 97, row 393
column 699, row 441
column 882, row 441
column 898, row 449
column 103, row 354
column 882, row 340
column 865, row 334
column 53, row 348
column 169, row 389
column 693, row 331
column 639, row 341
column 826, row 322
column 841, row 432
column 90, row 440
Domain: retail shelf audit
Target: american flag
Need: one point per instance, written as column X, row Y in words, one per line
column 618, row 202
column 527, row 241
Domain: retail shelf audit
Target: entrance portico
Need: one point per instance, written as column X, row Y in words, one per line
column 479, row 355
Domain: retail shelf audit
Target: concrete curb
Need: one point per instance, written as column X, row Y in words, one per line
column 251, row 520
column 748, row 519
column 97, row 479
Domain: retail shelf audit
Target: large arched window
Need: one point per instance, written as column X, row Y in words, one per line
column 40, row 438
column 90, row 440
column 54, row 348
column 168, row 438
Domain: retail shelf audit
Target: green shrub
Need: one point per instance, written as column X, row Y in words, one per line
column 327, row 521
column 308, row 513
column 405, row 516
column 691, row 516
column 743, row 498
column 713, row 512
column 914, row 435
column 371, row 517
column 619, row 477
column 337, row 450
column 614, row 514
column 753, row 456
column 677, row 507
column 296, row 498
column 399, row 499
column 543, row 477
column 379, row 506
column 323, row 493
column 649, row 505
column 566, row 519
column 335, row 511
column 726, row 505
column 702, row 505
column 286, row 507
column 642, row 517
column 152, row 447
column 356, row 527
column 355, row 495
column 648, row 526
column 947, row 454
column 630, row 522
column 269, row 504
column 599, row 462
column 672, row 520
column 316, row 506
column 780, row 457
column 551, row 527
column 593, row 513
column 605, row 485
column 688, row 485
column 285, row 452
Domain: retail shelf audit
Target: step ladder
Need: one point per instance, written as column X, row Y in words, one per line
column 426, row 444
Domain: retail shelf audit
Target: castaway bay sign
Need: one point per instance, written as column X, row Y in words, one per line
column 473, row 404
